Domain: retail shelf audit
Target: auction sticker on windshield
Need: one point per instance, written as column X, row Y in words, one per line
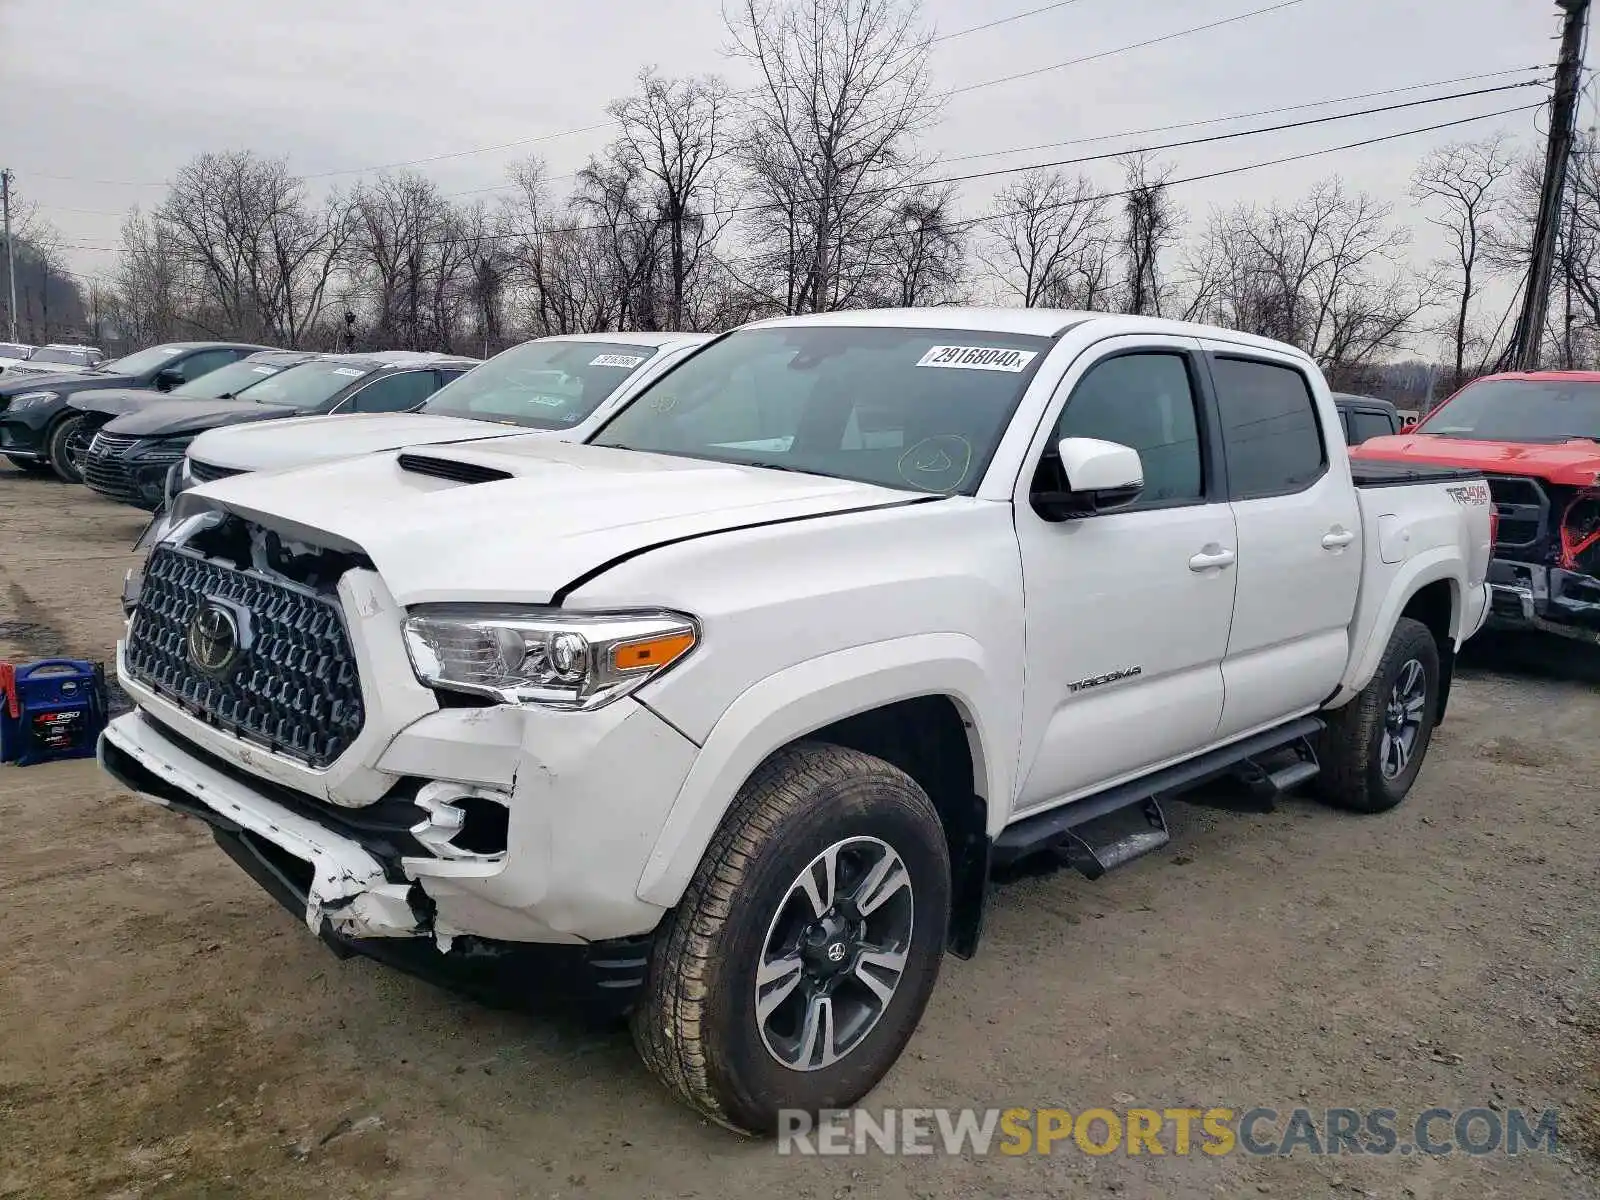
column 348, row 371
column 617, row 360
column 978, row 358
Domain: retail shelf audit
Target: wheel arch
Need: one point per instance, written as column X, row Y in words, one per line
column 1429, row 584
column 926, row 704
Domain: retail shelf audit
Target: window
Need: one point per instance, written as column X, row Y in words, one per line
column 1144, row 401
column 547, row 384
column 396, row 393
column 1269, row 428
column 1368, row 423
column 1519, row 410
column 915, row 409
column 204, row 363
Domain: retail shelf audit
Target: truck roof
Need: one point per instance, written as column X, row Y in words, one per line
column 1029, row 322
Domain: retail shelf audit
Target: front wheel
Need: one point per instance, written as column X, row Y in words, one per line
column 1373, row 747
column 65, row 447
column 800, row 959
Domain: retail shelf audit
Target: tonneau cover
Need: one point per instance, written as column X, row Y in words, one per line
column 1369, row 473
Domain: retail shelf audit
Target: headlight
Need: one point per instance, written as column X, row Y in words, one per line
column 546, row 656
column 32, row 400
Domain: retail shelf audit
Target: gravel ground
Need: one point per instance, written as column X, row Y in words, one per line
column 169, row 1031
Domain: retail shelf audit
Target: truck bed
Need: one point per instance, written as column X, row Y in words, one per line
column 1378, row 473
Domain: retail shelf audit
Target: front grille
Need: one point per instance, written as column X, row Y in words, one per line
column 106, row 470
column 1524, row 511
column 293, row 688
column 204, row 472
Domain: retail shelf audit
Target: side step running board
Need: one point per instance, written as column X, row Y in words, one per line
column 1101, row 832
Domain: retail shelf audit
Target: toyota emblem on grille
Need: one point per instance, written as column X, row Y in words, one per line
column 214, row 641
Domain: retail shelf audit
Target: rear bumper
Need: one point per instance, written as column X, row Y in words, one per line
column 1544, row 599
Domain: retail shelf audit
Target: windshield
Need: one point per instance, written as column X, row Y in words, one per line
column 14, row 350
column 544, row 385
column 140, row 361
column 307, row 385
column 71, row 358
column 1519, row 410
column 920, row 409
column 224, row 381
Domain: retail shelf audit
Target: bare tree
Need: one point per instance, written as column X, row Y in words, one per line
column 675, row 137
column 261, row 253
column 1152, row 227
column 1324, row 273
column 1046, row 241
column 842, row 90
column 1461, row 187
column 925, row 250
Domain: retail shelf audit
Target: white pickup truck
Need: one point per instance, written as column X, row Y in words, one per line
column 732, row 713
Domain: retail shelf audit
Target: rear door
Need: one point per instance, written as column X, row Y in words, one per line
column 1299, row 531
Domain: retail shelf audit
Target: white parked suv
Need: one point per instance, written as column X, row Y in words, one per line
column 733, row 712
column 563, row 385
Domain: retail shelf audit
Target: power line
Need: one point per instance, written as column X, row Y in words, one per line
column 1034, row 12
column 1105, row 137
column 1276, row 162
column 740, row 210
column 1103, row 54
column 1264, row 112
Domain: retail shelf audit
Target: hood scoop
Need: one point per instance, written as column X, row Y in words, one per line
column 449, row 468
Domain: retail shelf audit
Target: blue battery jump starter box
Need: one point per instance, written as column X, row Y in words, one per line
column 51, row 710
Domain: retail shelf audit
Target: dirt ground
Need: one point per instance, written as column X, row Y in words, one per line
column 166, row 1030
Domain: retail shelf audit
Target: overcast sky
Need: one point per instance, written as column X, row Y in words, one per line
column 124, row 91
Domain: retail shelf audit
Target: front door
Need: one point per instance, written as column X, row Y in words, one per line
column 1299, row 538
column 1128, row 611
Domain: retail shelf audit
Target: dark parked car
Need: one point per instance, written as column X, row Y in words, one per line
column 1365, row 417
column 40, row 431
column 130, row 456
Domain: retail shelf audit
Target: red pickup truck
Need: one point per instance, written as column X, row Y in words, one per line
column 1536, row 436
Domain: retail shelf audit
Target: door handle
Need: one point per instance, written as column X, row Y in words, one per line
column 1337, row 539
column 1209, row 560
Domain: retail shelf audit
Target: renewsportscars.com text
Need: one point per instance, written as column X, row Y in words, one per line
column 1177, row 1132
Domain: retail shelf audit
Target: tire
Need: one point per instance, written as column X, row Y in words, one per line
column 1353, row 748
column 29, row 466
column 59, row 450
column 696, row 1025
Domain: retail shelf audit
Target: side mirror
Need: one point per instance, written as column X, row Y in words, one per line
column 168, row 378
column 1100, row 477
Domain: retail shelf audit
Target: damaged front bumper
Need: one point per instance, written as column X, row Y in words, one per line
column 1546, row 599
column 334, row 883
column 345, row 874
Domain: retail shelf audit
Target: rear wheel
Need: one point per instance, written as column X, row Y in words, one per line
column 30, row 466
column 1373, row 748
column 803, row 953
column 65, row 446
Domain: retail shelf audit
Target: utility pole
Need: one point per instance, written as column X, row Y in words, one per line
column 11, row 257
column 1563, row 118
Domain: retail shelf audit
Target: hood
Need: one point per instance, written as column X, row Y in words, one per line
column 16, row 381
column 114, row 401
column 564, row 510
column 301, row 441
column 1575, row 463
column 170, row 418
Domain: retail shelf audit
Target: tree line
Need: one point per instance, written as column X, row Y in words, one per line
column 811, row 191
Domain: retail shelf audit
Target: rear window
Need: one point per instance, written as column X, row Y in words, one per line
column 1366, row 424
column 1270, row 432
column 916, row 409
